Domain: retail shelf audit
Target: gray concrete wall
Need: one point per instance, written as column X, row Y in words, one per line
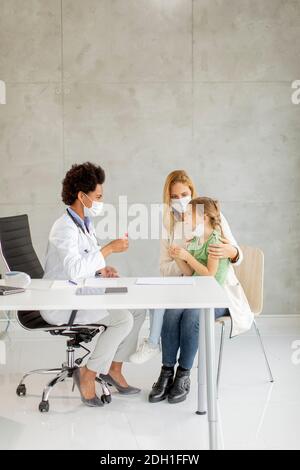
column 146, row 86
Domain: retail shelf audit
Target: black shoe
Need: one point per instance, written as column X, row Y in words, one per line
column 161, row 388
column 181, row 386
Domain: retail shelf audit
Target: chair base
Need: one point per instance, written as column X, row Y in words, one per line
column 258, row 335
column 61, row 374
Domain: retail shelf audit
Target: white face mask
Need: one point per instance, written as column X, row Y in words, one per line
column 180, row 205
column 95, row 210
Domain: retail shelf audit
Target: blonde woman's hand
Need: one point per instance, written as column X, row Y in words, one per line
column 171, row 251
column 179, row 253
column 223, row 250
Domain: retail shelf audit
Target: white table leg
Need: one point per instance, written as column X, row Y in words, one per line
column 201, row 409
column 211, row 378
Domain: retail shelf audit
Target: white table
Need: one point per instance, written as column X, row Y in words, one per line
column 206, row 294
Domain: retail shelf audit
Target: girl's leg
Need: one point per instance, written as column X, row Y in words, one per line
column 156, row 322
column 170, row 336
column 149, row 348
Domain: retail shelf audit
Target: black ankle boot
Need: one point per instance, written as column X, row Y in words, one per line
column 161, row 388
column 181, row 386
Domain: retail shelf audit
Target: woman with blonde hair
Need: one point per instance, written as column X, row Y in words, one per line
column 181, row 328
column 150, row 347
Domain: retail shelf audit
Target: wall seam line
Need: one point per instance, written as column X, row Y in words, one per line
column 62, row 84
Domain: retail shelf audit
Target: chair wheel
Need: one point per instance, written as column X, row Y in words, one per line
column 106, row 398
column 44, row 406
column 21, row 390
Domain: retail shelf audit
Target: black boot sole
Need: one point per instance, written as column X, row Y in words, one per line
column 157, row 400
column 173, row 401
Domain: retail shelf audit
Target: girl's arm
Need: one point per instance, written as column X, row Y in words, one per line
column 209, row 270
column 183, row 256
column 184, row 267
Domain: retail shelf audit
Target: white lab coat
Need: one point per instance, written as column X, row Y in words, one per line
column 72, row 255
column 240, row 312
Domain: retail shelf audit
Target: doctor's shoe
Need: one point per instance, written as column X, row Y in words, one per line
column 162, row 387
column 123, row 390
column 95, row 401
column 144, row 353
column 181, row 386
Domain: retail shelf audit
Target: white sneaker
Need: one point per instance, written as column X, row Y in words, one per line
column 144, row 353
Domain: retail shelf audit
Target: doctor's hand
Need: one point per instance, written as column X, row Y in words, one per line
column 109, row 271
column 120, row 245
column 116, row 246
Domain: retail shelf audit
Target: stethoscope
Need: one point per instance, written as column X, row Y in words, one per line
column 86, row 233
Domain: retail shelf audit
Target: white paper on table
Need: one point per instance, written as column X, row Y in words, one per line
column 165, row 281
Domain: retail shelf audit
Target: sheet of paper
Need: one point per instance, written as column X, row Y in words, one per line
column 165, row 281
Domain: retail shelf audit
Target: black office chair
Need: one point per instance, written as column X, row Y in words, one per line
column 18, row 254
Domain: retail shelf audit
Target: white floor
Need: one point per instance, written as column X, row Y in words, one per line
column 253, row 413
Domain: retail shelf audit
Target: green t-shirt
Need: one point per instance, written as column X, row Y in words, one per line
column 200, row 252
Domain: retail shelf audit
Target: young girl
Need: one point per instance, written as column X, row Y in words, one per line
column 192, row 260
column 207, row 230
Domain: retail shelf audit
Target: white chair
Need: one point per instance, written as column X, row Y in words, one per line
column 251, row 276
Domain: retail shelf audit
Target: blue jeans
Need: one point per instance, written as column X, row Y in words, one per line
column 180, row 332
column 156, row 322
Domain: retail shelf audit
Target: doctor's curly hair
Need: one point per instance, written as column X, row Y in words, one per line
column 83, row 177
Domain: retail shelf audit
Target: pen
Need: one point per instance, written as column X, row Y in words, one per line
column 73, row 282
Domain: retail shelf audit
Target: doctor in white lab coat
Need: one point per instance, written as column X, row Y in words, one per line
column 73, row 253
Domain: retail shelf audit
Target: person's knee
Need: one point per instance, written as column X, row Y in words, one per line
column 139, row 315
column 129, row 320
column 122, row 317
column 191, row 320
column 172, row 316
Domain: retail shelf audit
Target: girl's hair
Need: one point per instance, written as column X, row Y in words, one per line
column 177, row 176
column 211, row 208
